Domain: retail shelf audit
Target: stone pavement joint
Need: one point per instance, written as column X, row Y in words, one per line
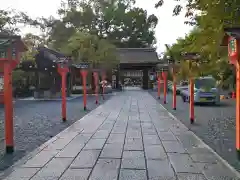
column 129, row 137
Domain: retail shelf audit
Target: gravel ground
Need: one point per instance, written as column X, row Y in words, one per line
column 215, row 125
column 38, row 121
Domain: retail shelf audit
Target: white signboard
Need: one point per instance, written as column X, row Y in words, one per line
column 1, row 83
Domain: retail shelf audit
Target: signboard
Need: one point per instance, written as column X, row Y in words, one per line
column 1, row 83
column 81, row 65
column 191, row 56
column 232, row 49
column 3, row 53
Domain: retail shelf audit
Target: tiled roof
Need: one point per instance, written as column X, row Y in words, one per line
column 7, row 39
column 137, row 55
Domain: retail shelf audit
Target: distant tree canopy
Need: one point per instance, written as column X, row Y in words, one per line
column 116, row 21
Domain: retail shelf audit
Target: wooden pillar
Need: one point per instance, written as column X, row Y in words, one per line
column 9, row 127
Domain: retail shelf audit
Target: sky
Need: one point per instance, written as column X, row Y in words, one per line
column 169, row 28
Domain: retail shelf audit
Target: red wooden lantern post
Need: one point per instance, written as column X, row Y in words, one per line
column 174, row 88
column 95, row 75
column 172, row 62
column 191, row 100
column 159, row 85
column 63, row 70
column 191, row 57
column 10, row 51
column 164, row 76
column 103, row 83
column 84, row 72
column 232, row 40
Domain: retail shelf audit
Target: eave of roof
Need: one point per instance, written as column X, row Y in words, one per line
column 137, row 55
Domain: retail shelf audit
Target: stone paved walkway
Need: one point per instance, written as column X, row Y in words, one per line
column 130, row 137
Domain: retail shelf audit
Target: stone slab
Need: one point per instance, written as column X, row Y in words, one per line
column 133, row 144
column 86, row 159
column 160, row 169
column 151, row 139
column 22, row 173
column 40, row 159
column 106, row 169
column 95, row 144
column 76, row 174
column 53, row 170
column 183, row 163
column 155, row 152
column 112, row 151
column 127, row 174
column 133, row 160
column 173, row 147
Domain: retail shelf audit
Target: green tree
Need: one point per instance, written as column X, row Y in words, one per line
column 84, row 47
column 116, row 21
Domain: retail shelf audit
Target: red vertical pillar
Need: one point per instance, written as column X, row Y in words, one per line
column 84, row 78
column 165, row 87
column 159, row 86
column 95, row 74
column 8, row 104
column 191, row 100
column 64, row 110
column 238, row 109
column 103, row 84
column 174, row 91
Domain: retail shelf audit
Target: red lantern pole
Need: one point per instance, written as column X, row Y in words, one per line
column 84, row 78
column 95, row 74
column 62, row 70
column 64, row 110
column 103, row 84
column 8, row 105
column 159, row 86
column 233, row 50
column 238, row 109
column 165, row 87
column 174, row 91
column 191, row 101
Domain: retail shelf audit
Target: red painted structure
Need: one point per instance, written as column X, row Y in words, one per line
column 191, row 101
column 103, row 85
column 159, row 85
column 2, row 89
column 63, row 70
column 95, row 75
column 84, row 73
column 11, row 48
column 174, row 90
column 164, row 76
